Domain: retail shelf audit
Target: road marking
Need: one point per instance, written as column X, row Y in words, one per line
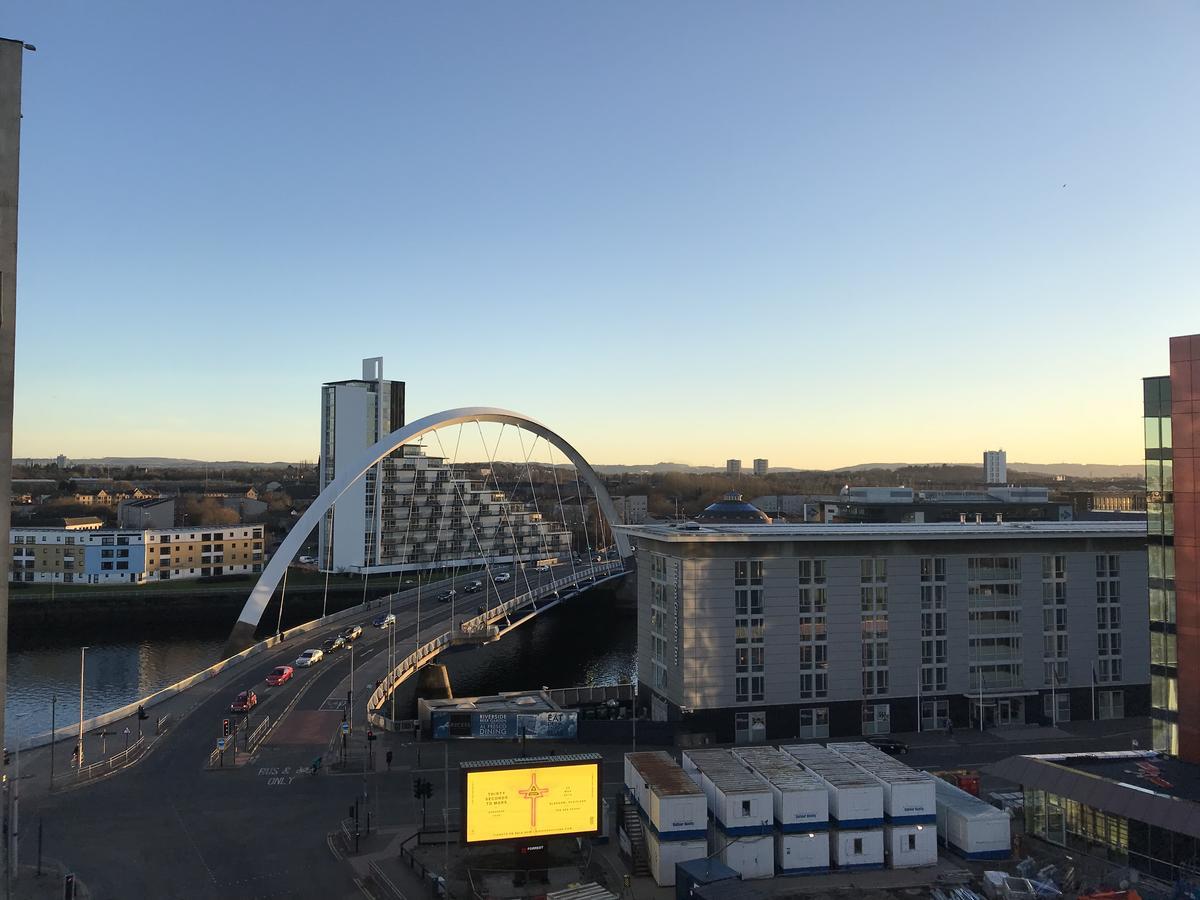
column 192, row 841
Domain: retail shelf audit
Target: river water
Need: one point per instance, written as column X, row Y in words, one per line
column 586, row 642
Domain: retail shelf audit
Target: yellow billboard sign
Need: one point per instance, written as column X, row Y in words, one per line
column 513, row 803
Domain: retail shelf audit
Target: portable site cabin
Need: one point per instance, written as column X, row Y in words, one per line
column 971, row 827
column 855, row 798
column 801, row 806
column 742, row 811
column 855, row 806
column 910, row 811
column 673, row 808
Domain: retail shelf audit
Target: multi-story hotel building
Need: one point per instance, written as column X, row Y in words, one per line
column 759, row 631
column 65, row 556
column 413, row 511
column 1172, row 426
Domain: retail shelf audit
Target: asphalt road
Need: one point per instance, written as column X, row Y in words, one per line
column 168, row 827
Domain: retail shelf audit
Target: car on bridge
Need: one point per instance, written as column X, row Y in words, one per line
column 541, row 569
column 447, row 596
column 280, row 675
column 387, row 620
column 337, row 642
column 244, row 702
column 308, row 658
column 473, row 588
column 502, row 578
column 353, row 633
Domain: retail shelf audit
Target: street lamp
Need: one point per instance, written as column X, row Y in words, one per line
column 79, row 748
column 53, row 709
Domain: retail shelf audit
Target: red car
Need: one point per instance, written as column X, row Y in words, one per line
column 279, row 675
column 245, row 702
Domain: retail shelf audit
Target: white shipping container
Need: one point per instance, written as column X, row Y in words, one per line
column 908, row 793
column 751, row 856
column 801, row 800
column 910, row 846
column 857, row 848
column 667, row 798
column 802, row 853
column 663, row 855
column 739, row 800
column 855, row 798
column 971, row 827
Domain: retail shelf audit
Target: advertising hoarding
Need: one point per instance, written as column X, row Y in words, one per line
column 521, row 799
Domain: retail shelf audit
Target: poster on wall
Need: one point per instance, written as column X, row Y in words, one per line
column 561, row 725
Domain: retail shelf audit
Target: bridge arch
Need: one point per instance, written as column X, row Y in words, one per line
column 242, row 635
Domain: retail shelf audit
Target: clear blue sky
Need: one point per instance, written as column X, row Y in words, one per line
column 822, row 233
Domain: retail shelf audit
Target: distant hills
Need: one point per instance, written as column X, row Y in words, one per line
column 160, row 462
column 1073, row 470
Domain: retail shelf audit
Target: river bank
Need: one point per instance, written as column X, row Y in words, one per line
column 182, row 605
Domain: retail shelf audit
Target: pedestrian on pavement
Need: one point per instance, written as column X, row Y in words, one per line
column 389, row 760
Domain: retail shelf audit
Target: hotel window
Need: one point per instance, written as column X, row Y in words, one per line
column 749, row 630
column 873, row 625
column 813, row 648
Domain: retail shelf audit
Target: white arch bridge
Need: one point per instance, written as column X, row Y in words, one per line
column 491, row 622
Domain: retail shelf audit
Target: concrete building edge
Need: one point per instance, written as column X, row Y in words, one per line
column 845, row 716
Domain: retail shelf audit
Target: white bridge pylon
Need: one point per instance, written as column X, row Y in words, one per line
column 251, row 614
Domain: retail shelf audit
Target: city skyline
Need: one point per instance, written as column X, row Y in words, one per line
column 961, row 228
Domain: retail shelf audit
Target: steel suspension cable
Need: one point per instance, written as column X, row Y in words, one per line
column 505, row 514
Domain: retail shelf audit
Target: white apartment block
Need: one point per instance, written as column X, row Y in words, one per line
column 995, row 467
column 839, row 630
column 413, row 511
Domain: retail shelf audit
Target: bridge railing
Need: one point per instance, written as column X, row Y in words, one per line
column 413, row 661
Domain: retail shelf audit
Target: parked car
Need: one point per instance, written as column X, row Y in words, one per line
column 309, row 657
column 473, row 588
column 888, row 745
column 307, row 560
column 280, row 675
column 387, row 620
column 244, row 702
column 353, row 633
column 337, row 642
column 446, row 596
column 502, row 578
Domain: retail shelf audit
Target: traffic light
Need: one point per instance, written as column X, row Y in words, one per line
column 422, row 789
column 225, row 727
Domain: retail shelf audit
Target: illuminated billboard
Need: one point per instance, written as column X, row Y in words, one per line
column 520, row 799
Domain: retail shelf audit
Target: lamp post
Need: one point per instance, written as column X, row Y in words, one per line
column 79, row 748
column 53, row 705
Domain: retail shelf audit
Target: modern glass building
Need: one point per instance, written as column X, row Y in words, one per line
column 1130, row 808
column 1160, row 539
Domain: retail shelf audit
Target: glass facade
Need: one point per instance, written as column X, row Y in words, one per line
column 1158, row 852
column 1160, row 538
